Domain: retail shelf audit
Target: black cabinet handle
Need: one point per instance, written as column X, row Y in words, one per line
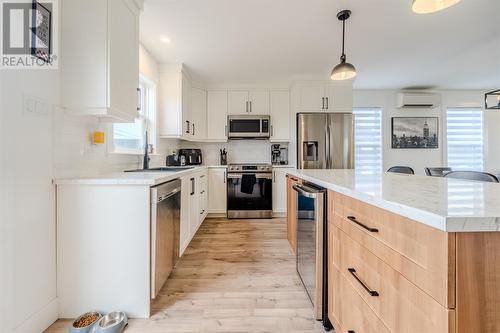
column 187, row 126
column 327, row 103
column 192, row 186
column 139, row 99
column 353, row 273
column 353, row 219
column 322, row 103
column 351, row 331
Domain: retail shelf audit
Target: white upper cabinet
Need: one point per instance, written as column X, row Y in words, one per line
column 217, row 115
column 174, row 108
column 258, row 102
column 321, row 96
column 198, row 114
column 246, row 102
column 280, row 115
column 238, row 102
column 100, row 70
column 339, row 97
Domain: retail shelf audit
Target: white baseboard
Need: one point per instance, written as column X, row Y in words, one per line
column 40, row 320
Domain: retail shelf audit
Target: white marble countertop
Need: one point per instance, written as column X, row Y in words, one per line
column 450, row 205
column 150, row 178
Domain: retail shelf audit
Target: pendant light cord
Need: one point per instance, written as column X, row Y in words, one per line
column 342, row 57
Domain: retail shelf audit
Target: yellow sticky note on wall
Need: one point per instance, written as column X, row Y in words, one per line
column 98, row 138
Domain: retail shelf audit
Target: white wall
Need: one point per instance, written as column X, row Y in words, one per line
column 35, row 149
column 420, row 158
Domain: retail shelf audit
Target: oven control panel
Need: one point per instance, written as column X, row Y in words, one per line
column 249, row 168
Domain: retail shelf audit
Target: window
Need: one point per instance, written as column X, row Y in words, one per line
column 464, row 130
column 368, row 139
column 129, row 137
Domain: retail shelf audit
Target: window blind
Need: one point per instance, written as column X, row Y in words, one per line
column 464, row 129
column 368, row 139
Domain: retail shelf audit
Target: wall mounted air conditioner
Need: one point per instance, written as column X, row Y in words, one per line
column 418, row 100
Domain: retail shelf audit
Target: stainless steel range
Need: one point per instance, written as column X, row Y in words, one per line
column 249, row 191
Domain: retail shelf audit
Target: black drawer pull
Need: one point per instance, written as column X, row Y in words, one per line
column 351, row 331
column 353, row 273
column 353, row 219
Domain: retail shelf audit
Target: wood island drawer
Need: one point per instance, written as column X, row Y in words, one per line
column 353, row 315
column 422, row 254
column 401, row 305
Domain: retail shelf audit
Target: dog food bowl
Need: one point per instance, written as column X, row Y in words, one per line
column 87, row 328
column 113, row 322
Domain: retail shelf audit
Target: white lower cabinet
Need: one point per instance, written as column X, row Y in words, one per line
column 279, row 190
column 217, row 195
column 193, row 205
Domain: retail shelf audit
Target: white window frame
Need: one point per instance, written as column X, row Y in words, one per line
column 445, row 126
column 381, row 138
column 148, row 116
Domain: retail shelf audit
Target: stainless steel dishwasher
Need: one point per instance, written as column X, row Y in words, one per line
column 165, row 223
column 312, row 247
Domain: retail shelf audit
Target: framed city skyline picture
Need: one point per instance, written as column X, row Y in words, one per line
column 415, row 132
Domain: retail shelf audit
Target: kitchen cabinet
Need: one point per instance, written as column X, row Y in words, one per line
column 388, row 273
column 203, row 196
column 217, row 115
column 198, row 115
column 184, row 229
column 217, row 191
column 101, row 78
column 291, row 207
column 279, row 190
column 321, row 97
column 244, row 102
column 174, row 109
column 280, row 115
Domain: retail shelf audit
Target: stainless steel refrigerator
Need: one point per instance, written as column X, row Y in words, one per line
column 325, row 141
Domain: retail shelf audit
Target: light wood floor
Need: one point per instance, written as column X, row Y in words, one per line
column 235, row 276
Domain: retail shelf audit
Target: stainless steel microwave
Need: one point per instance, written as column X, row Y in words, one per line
column 249, row 127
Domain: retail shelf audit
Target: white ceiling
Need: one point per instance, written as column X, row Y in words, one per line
column 224, row 42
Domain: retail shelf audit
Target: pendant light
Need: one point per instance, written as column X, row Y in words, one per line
column 344, row 70
column 431, row 6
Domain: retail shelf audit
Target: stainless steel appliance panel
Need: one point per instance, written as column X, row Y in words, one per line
column 310, row 224
column 165, row 232
column 325, row 140
column 249, row 127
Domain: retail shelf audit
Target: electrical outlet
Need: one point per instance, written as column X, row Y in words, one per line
column 41, row 108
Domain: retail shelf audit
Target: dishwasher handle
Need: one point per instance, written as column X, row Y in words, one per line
column 306, row 191
column 168, row 195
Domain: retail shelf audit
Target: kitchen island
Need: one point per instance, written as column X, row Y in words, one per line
column 409, row 253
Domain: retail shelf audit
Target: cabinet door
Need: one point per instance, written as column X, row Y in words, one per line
column 339, row 97
column 186, row 108
column 185, row 234
column 123, row 61
column 311, row 97
column 217, row 115
column 259, row 102
column 198, row 113
column 217, row 191
column 279, row 190
column 280, row 115
column 193, row 206
column 202, row 191
column 291, row 208
column 238, row 102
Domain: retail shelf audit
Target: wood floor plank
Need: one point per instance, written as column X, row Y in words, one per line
column 236, row 276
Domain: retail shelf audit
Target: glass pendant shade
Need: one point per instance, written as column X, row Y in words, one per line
column 431, row 6
column 343, row 71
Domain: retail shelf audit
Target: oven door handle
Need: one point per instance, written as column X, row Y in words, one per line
column 257, row 176
column 306, row 191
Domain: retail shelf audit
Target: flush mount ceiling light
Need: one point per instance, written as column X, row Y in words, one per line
column 431, row 6
column 344, row 70
column 165, row 39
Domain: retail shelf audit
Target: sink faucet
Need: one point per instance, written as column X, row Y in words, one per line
column 145, row 163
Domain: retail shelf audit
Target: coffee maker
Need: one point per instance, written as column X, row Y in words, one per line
column 279, row 154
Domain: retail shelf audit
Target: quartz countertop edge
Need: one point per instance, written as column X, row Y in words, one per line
column 150, row 178
column 438, row 216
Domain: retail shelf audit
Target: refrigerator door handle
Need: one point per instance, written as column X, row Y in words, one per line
column 327, row 147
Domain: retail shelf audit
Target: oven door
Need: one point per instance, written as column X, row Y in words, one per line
column 258, row 204
column 248, row 127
